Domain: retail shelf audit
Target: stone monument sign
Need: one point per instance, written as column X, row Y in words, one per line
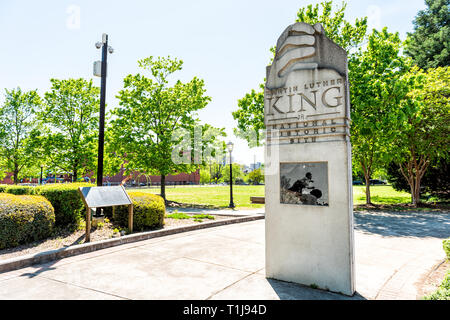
column 309, row 217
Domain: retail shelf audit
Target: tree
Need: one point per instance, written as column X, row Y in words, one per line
column 250, row 112
column 256, row 176
column 19, row 131
column 70, row 118
column 429, row 44
column 237, row 172
column 205, row 176
column 423, row 128
column 375, row 94
column 434, row 181
column 154, row 118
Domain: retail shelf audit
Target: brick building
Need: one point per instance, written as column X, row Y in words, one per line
column 136, row 178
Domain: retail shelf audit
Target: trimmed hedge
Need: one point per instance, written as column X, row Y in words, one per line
column 24, row 219
column 17, row 190
column 66, row 199
column 148, row 211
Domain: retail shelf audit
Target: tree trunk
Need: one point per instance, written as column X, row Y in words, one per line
column 368, row 197
column 413, row 174
column 367, row 179
column 163, row 187
column 75, row 175
column 16, row 174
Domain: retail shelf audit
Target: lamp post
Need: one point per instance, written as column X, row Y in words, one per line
column 42, row 167
column 230, row 146
column 101, row 133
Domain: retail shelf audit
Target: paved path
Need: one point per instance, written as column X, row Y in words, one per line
column 393, row 251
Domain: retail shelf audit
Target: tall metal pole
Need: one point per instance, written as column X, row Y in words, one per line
column 231, row 184
column 101, row 133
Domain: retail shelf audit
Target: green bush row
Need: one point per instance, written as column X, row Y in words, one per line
column 148, row 211
column 17, row 190
column 24, row 219
column 64, row 198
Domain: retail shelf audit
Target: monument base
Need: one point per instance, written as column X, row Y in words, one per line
column 312, row 244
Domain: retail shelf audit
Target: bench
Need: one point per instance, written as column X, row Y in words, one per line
column 257, row 200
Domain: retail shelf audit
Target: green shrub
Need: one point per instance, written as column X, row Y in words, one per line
column 24, row 219
column 66, row 200
column 446, row 245
column 148, row 211
column 17, row 190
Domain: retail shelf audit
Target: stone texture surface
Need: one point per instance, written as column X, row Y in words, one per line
column 306, row 116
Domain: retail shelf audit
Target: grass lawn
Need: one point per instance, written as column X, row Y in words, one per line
column 380, row 194
column 219, row 196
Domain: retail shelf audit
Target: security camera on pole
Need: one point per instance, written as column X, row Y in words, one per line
column 100, row 71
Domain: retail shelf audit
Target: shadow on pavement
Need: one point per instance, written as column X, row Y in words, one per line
column 294, row 291
column 403, row 224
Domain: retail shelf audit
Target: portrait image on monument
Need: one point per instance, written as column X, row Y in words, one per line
column 304, row 183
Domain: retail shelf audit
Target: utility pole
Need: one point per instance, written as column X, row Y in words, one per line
column 101, row 134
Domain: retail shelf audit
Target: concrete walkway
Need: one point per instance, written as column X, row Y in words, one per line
column 393, row 252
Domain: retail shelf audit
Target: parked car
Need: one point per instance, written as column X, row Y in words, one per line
column 376, row 181
column 358, row 183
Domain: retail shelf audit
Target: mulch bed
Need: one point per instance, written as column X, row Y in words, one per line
column 432, row 281
column 66, row 238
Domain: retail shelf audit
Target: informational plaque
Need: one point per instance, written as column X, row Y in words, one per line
column 100, row 197
column 309, row 218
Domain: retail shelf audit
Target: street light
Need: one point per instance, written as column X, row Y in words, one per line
column 230, row 146
column 101, row 131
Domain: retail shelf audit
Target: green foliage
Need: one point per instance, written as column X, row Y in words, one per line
column 435, row 181
column 429, row 44
column 18, row 131
column 150, row 112
column 178, row 215
column 375, row 93
column 24, row 219
column 250, row 115
column 66, row 200
column 205, row 176
column 215, row 170
column 201, row 217
column 250, row 112
column 236, row 171
column 71, row 123
column 336, row 27
column 423, row 126
column 148, row 211
column 256, row 176
column 17, row 190
column 446, row 246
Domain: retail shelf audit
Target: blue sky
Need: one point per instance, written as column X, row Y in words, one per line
column 224, row 42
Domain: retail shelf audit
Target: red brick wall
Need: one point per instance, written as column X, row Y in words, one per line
column 181, row 178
